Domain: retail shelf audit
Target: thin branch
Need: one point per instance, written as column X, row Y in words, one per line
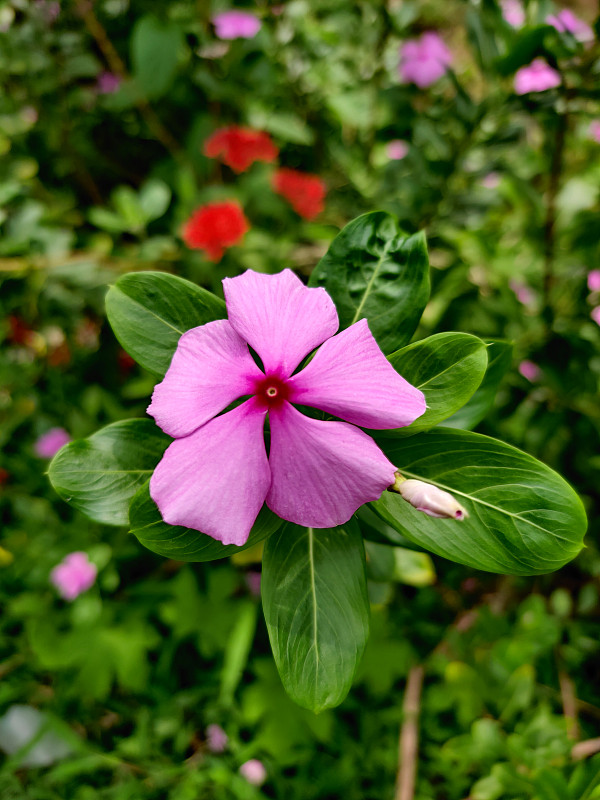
column 408, row 748
column 569, row 704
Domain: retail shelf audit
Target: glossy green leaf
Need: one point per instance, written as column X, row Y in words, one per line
column 316, row 608
column 187, row 544
column 155, row 47
column 448, row 368
column 524, row 518
column 499, row 359
column 99, row 475
column 374, row 271
column 149, row 311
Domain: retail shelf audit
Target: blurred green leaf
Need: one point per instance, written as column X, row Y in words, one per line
column 99, row 475
column 155, row 47
column 524, row 518
column 149, row 311
column 316, row 609
column 374, row 271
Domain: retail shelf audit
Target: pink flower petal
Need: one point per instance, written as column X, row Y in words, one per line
column 281, row 318
column 322, row 471
column 216, row 479
column 350, row 377
column 211, row 368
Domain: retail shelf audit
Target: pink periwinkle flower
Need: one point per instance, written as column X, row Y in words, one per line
column 108, row 83
column 595, row 130
column 529, row 370
column 75, row 574
column 536, row 77
column 254, row 772
column 216, row 475
column 595, row 315
column 523, row 293
column 216, row 739
column 397, row 149
column 593, row 280
column 513, row 12
column 50, row 443
column 423, row 61
column 567, row 22
column 236, row 25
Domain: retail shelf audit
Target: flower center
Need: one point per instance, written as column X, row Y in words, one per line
column 271, row 391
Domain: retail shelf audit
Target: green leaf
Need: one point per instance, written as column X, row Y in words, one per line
column 499, row 359
column 187, row 544
column 99, row 475
column 155, row 47
column 149, row 311
column 372, row 270
column 316, row 608
column 154, row 199
column 448, row 368
column 524, row 518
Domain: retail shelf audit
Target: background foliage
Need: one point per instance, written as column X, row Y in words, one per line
column 95, row 184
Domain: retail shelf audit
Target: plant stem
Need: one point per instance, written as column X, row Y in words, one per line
column 408, row 747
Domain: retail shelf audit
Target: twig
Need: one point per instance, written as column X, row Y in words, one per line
column 408, row 748
column 569, row 704
column 585, row 749
column 550, row 223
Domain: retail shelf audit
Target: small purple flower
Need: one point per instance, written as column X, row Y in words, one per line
column 529, row 370
column 254, row 772
column 51, row 442
column 593, row 280
column 491, row 180
column 523, row 292
column 253, row 582
column 108, row 83
column 595, row 315
column 595, row 130
column 397, row 149
column 216, row 739
column 536, row 77
column 74, row 575
column 423, row 61
column 236, row 25
column 513, row 12
column 216, row 475
column 567, row 22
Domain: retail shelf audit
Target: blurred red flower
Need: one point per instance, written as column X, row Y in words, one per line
column 214, row 227
column 240, row 147
column 304, row 192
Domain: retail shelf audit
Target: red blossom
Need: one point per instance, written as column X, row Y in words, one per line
column 214, row 227
column 240, row 147
column 304, row 192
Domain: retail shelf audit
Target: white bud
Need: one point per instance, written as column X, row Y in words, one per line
column 429, row 499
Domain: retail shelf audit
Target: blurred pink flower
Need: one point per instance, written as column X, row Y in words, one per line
column 566, row 22
column 423, row 61
column 397, row 149
column 49, row 443
column 536, row 77
column 216, row 739
column 254, row 772
column 522, row 291
column 108, row 83
column 74, row 575
column 529, row 370
column 513, row 12
column 593, row 280
column 236, row 25
column 595, row 315
column 491, row 180
column 595, row 130
column 253, row 582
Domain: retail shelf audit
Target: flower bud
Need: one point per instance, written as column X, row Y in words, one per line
column 429, row 499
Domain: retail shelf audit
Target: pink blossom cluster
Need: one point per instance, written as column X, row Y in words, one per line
column 236, row 25
column 566, row 21
column 425, row 60
column 536, row 77
column 75, row 574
